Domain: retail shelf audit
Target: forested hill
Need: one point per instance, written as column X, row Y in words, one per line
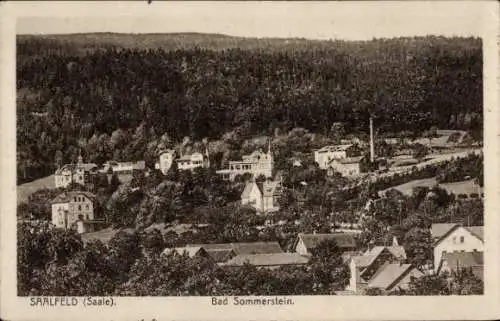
column 119, row 96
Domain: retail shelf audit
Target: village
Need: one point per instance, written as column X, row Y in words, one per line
column 378, row 267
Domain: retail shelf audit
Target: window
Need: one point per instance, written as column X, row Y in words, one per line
column 461, row 239
column 454, row 240
column 79, row 207
column 75, row 199
column 87, row 206
column 474, row 250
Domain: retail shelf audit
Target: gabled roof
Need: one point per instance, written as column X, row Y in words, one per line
column 256, row 248
column 219, row 256
column 397, row 250
column 73, row 167
column 248, row 190
column 335, row 148
column 462, row 259
column 191, row 251
column 440, row 229
column 343, row 240
column 213, row 246
column 65, row 197
column 477, row 231
column 389, row 274
column 270, row 259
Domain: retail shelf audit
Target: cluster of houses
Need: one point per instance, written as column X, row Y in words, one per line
column 85, row 173
column 385, row 268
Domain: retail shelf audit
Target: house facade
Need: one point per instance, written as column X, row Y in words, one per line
column 192, row 161
column 264, row 197
column 70, row 207
column 347, row 167
column 258, row 163
column 123, row 167
column 80, row 173
column 326, row 154
column 459, row 239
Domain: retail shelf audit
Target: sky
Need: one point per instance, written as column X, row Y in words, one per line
column 314, row 20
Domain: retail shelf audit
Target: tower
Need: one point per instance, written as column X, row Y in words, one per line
column 207, row 156
column 372, row 143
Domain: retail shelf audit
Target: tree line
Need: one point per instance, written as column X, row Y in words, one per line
column 70, row 102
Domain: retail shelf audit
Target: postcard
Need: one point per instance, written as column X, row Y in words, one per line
column 250, row 160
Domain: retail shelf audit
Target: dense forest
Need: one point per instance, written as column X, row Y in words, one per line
column 105, row 100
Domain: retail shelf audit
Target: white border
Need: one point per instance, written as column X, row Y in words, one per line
column 306, row 307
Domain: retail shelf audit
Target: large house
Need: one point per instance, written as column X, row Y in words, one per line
column 458, row 239
column 123, row 167
column 80, row 173
column 75, row 210
column 184, row 162
column 305, row 243
column 192, row 161
column 258, row 163
column 350, row 166
column 325, row 155
column 263, row 196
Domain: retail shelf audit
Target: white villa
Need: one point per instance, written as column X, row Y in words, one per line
column 80, row 173
column 258, row 163
column 325, row 155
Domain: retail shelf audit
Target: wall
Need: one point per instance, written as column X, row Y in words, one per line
column 448, row 244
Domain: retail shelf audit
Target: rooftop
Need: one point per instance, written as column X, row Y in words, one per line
column 343, row 240
column 270, row 259
column 67, row 196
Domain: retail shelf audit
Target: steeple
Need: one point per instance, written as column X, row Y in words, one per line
column 80, row 158
column 269, row 146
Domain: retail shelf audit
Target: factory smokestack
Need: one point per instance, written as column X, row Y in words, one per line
column 372, row 143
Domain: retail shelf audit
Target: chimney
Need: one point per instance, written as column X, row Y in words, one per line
column 395, row 241
column 372, row 143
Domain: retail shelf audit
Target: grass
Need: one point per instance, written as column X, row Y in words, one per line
column 464, row 187
column 26, row 189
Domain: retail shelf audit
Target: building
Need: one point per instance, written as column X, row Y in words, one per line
column 324, row 155
column 440, row 229
column 192, row 161
column 166, row 160
column 363, row 268
column 455, row 261
column 458, row 239
column 223, row 252
column 394, row 276
column 269, row 260
column 79, row 173
column 305, row 243
column 262, row 196
column 350, row 166
column 120, row 168
column 70, row 207
column 256, row 164
column 190, row 251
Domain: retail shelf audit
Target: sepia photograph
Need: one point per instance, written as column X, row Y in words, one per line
column 193, row 155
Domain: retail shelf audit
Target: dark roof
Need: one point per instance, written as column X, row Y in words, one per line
column 257, row 248
column 478, row 231
column 343, row 240
column 269, row 259
column 389, row 274
column 67, row 196
column 440, row 229
column 242, row 248
column 220, row 255
column 463, row 259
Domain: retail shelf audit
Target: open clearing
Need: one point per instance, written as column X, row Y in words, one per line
column 464, row 187
column 26, row 189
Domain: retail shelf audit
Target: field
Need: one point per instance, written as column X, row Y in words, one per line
column 464, row 187
column 26, row 189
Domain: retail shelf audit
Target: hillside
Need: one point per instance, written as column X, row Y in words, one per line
column 26, row 189
column 124, row 96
